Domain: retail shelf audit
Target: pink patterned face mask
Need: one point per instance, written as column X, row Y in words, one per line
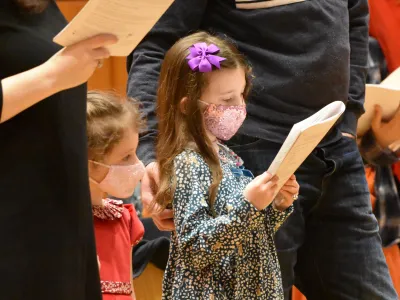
column 224, row 121
column 120, row 180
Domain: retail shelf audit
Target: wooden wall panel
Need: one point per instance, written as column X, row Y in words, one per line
column 113, row 74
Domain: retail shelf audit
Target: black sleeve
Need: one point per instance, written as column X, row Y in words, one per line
column 182, row 18
column 358, row 18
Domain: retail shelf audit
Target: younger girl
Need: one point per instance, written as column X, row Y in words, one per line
column 223, row 246
column 114, row 170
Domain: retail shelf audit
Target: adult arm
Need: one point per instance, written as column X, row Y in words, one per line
column 68, row 68
column 182, row 18
column 23, row 90
column 358, row 34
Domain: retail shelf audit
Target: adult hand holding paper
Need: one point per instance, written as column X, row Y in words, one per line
column 128, row 20
column 386, row 95
column 302, row 139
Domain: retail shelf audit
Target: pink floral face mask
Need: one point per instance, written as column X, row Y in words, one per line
column 224, row 121
column 120, row 180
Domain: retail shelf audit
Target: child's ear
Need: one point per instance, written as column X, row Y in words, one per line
column 183, row 105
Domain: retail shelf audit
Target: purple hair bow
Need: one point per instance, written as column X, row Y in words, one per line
column 202, row 58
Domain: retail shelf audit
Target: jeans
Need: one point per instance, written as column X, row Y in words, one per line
column 330, row 246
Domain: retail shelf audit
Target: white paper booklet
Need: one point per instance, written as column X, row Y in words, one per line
column 387, row 97
column 129, row 20
column 393, row 80
column 302, row 140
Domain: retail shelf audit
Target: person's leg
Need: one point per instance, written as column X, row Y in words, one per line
column 257, row 156
column 322, row 267
column 310, row 177
column 342, row 256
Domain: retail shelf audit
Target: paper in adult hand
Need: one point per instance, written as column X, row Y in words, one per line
column 302, row 139
column 129, row 20
column 393, row 80
column 387, row 97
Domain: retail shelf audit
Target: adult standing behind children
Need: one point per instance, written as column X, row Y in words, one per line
column 305, row 54
column 47, row 242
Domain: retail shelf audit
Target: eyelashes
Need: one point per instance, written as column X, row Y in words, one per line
column 127, row 158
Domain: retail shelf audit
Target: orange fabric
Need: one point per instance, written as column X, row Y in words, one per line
column 392, row 254
column 370, row 174
column 396, row 167
column 297, row 295
column 385, row 27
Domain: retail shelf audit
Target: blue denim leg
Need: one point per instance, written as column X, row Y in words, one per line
column 330, row 246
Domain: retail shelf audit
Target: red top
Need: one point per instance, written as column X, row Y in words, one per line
column 384, row 26
column 396, row 170
column 117, row 229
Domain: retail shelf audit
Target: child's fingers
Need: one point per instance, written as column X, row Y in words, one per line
column 270, row 186
column 288, row 197
column 166, row 214
column 266, row 177
column 291, row 183
column 290, row 189
column 164, row 220
column 164, row 225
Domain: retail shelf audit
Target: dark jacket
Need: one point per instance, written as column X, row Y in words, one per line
column 305, row 55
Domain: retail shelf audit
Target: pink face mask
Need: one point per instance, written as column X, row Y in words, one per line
column 120, row 180
column 224, row 121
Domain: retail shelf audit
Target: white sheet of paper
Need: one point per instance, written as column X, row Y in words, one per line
column 129, row 20
column 388, row 98
column 393, row 80
column 302, row 140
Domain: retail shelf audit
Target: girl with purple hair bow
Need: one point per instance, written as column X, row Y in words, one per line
column 223, row 246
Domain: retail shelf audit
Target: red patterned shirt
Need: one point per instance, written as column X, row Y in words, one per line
column 117, row 229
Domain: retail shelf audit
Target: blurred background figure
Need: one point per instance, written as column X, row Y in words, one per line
column 385, row 27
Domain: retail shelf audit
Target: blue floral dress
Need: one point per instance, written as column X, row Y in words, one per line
column 223, row 253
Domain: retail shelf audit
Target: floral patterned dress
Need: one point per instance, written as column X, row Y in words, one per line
column 227, row 252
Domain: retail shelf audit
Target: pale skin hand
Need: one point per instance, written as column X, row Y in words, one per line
column 164, row 219
column 68, row 68
column 286, row 194
column 386, row 133
column 260, row 192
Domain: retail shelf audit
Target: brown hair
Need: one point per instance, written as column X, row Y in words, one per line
column 177, row 129
column 108, row 116
column 32, row 6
